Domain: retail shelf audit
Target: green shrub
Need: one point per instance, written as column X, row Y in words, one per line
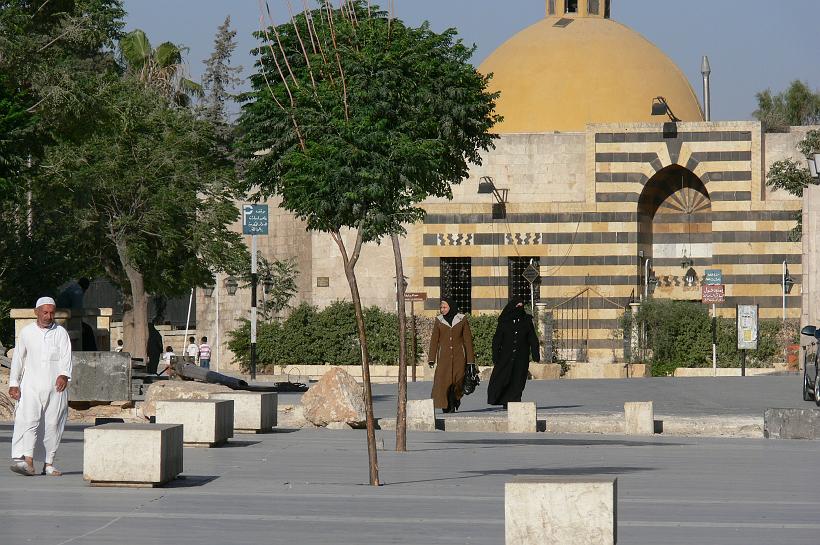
column 679, row 334
column 483, row 329
column 312, row 337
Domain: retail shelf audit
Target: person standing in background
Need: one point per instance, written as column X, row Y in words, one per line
column 205, row 354
column 192, row 351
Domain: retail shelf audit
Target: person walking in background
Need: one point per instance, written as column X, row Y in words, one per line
column 205, row 354
column 451, row 349
column 192, row 351
column 119, row 346
column 514, row 342
column 166, row 360
column 40, row 372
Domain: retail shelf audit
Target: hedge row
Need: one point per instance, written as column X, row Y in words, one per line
column 310, row 336
column 679, row 334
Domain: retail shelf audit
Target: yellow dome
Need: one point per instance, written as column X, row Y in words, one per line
column 591, row 70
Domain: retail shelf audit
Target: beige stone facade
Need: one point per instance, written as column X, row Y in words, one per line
column 591, row 208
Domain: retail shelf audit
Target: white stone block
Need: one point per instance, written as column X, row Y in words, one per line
column 521, row 417
column 421, row 415
column 639, row 418
column 253, row 412
column 560, row 511
column 132, row 454
column 205, row 422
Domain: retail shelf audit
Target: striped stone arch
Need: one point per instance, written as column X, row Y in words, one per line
column 625, row 162
column 675, row 222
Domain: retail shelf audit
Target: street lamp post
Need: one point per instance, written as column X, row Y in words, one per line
column 786, row 284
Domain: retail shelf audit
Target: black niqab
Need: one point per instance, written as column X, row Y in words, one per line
column 453, row 310
column 512, row 311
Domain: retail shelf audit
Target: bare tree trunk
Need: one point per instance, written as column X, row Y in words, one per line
column 350, row 273
column 401, row 410
column 137, row 342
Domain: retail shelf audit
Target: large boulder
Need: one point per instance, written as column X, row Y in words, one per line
column 6, row 407
column 177, row 389
column 337, row 397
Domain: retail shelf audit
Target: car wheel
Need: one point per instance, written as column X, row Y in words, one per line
column 817, row 389
column 806, row 390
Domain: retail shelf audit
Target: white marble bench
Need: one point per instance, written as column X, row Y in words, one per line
column 560, row 511
column 133, row 455
column 205, row 422
column 253, row 412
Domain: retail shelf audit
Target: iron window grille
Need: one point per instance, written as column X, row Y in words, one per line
column 516, row 282
column 457, row 281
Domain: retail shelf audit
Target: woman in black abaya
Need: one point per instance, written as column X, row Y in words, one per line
column 514, row 342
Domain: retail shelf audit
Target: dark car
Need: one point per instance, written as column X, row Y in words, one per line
column 811, row 376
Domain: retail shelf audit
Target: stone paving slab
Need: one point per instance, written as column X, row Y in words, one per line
column 309, row 487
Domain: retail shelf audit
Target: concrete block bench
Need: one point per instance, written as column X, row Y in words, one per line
column 421, row 415
column 132, row 455
column 205, row 422
column 639, row 418
column 253, row 412
column 521, row 417
column 560, row 511
column 791, row 424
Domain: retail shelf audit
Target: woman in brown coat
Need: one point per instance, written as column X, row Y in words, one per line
column 451, row 347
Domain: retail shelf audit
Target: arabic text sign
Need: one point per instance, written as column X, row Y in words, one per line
column 713, row 277
column 711, row 295
column 254, row 219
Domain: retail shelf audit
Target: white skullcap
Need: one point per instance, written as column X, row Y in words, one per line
column 45, row 301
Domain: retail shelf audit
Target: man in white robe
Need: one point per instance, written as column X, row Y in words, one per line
column 40, row 372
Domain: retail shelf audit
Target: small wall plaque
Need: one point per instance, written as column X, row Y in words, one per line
column 322, row 281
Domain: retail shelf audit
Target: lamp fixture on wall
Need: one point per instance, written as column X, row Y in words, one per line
column 486, row 187
column 661, row 107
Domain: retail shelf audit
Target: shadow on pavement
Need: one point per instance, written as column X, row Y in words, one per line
column 190, row 481
column 236, row 444
column 537, row 472
column 561, row 442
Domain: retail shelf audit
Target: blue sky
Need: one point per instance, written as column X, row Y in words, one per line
column 752, row 44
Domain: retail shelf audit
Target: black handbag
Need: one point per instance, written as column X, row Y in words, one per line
column 471, row 378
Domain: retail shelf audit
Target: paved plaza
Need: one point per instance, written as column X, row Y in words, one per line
column 309, row 486
column 736, row 396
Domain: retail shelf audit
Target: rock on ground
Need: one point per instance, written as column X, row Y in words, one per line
column 337, row 397
column 177, row 389
column 6, row 407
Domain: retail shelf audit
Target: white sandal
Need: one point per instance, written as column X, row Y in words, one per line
column 51, row 471
column 22, row 468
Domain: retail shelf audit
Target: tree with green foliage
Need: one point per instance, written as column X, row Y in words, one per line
column 160, row 68
column 794, row 176
column 358, row 118
column 797, row 105
column 56, row 63
column 219, row 79
column 152, row 196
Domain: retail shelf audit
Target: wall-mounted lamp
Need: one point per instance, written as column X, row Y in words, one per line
column 486, row 187
column 661, row 107
column 231, row 285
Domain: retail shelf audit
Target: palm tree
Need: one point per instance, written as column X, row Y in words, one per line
column 160, row 67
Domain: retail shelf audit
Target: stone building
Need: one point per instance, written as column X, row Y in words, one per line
column 588, row 186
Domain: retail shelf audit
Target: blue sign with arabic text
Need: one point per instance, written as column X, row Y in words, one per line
column 254, row 219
